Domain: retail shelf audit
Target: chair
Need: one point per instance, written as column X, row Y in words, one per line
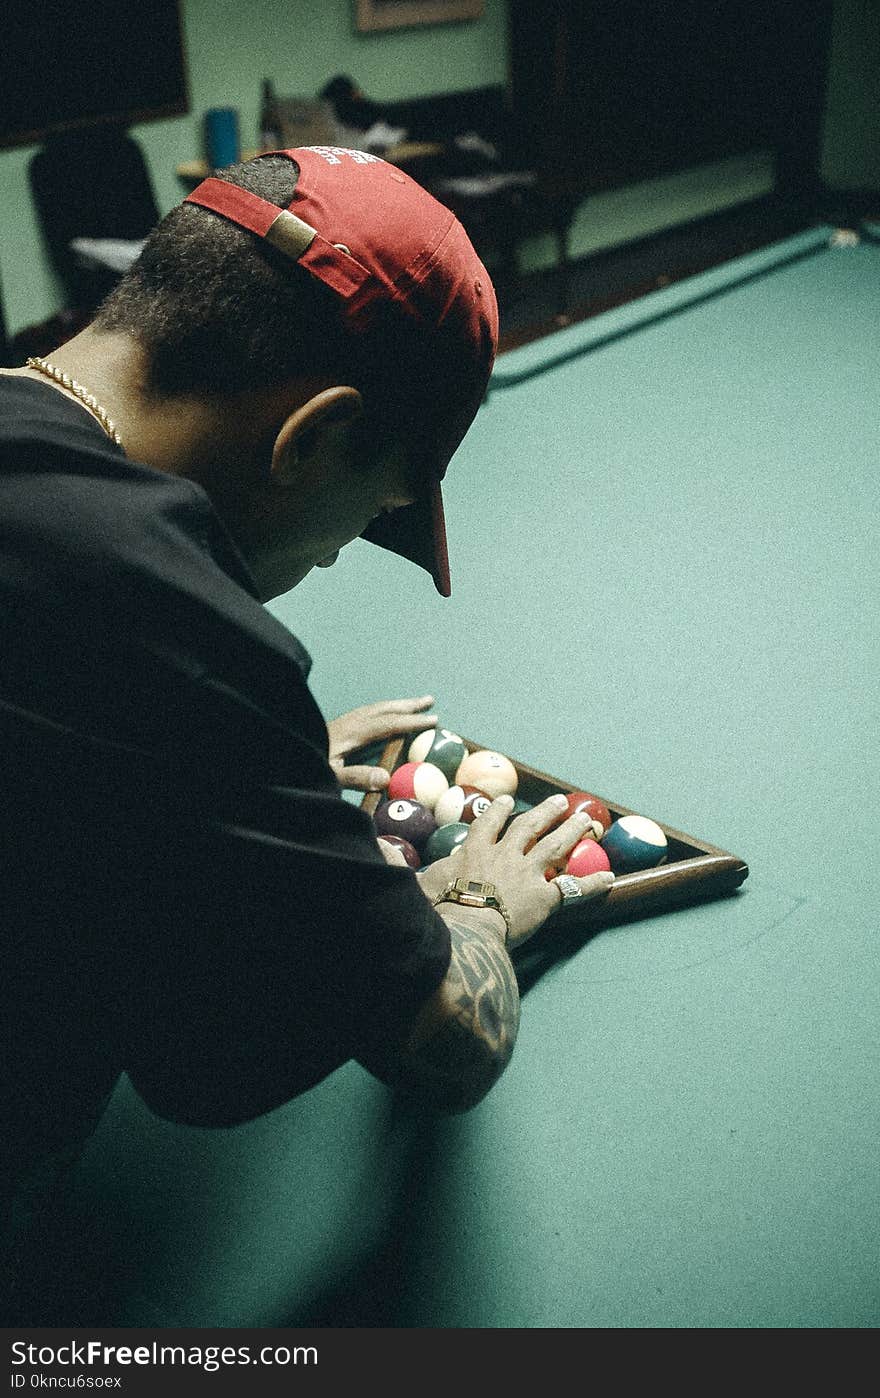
column 90, row 183
column 483, row 169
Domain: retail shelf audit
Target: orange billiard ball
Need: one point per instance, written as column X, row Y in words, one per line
column 488, row 771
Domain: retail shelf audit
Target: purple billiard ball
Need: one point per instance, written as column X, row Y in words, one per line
column 409, row 819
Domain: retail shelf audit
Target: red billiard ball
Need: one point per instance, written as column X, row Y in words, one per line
column 595, row 809
column 418, row 781
column 461, row 804
column 409, row 852
column 579, row 802
column 409, row 819
column 587, row 857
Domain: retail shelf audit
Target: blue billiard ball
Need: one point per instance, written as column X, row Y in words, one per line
column 634, row 842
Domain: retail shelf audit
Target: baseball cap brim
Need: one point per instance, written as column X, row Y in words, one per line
column 418, row 533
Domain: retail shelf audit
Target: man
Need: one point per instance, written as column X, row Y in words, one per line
column 291, row 363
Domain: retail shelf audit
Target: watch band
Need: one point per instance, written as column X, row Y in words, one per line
column 471, row 893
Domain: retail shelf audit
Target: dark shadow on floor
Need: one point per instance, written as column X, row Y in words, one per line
column 379, row 1290
column 567, row 933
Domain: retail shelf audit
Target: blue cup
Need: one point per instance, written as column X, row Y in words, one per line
column 222, row 143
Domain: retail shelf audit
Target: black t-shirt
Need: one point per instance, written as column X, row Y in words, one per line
column 186, row 896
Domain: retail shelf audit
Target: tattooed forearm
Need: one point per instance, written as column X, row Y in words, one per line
column 458, row 1065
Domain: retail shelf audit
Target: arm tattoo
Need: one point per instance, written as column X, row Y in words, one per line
column 463, row 1060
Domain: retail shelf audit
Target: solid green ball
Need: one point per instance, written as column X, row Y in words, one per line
column 444, row 840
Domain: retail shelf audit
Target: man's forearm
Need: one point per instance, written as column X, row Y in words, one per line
column 463, row 1042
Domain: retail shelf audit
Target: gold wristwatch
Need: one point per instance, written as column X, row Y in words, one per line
column 470, row 893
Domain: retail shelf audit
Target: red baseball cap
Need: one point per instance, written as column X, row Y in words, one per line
column 377, row 238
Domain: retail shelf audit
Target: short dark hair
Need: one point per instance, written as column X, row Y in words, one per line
column 218, row 310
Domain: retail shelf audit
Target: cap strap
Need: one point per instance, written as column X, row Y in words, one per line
column 237, row 204
column 286, row 232
column 292, row 236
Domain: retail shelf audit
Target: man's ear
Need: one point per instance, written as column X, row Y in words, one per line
column 306, row 431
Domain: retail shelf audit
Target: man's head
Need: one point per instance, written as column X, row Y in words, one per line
column 329, row 269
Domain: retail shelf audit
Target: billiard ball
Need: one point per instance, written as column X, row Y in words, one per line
column 437, row 745
column 461, row 804
column 634, row 842
column 445, row 840
column 409, row 852
column 844, row 238
column 488, row 771
column 409, row 819
column 594, row 808
column 418, row 781
column 580, row 802
column 587, row 857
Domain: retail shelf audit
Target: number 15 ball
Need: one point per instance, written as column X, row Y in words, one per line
column 488, row 771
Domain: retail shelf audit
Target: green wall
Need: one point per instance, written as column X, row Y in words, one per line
column 300, row 44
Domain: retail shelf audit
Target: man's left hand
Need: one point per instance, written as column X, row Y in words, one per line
column 370, row 724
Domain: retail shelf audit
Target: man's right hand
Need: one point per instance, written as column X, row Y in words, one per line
column 515, row 861
column 463, row 1037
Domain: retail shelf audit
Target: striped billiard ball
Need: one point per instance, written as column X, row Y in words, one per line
column 437, row 745
column 461, row 804
column 634, row 842
column 418, row 781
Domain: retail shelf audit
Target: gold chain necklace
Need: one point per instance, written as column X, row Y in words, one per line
column 88, row 399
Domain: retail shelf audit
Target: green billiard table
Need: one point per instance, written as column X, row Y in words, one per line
column 663, row 534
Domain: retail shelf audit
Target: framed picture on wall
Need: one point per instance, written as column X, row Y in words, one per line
column 398, row 14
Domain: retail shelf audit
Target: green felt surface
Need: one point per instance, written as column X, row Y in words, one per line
column 665, row 577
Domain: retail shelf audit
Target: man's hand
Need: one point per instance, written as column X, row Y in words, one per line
column 515, row 857
column 374, row 723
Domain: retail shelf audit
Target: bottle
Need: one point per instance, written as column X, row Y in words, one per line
column 270, row 134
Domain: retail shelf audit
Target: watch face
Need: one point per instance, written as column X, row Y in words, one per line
column 472, row 888
column 474, row 893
